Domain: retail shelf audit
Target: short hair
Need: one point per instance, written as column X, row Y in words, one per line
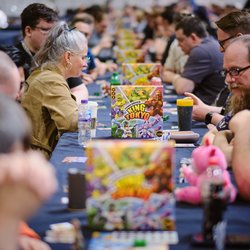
column 17, row 57
column 82, row 17
column 245, row 39
column 33, row 13
column 96, row 11
column 168, row 16
column 60, row 39
column 235, row 22
column 14, row 125
column 6, row 67
column 190, row 24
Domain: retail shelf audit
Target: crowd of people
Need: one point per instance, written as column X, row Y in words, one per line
column 204, row 55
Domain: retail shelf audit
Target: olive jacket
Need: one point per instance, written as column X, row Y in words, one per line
column 51, row 107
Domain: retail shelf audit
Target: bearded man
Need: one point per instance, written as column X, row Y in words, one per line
column 237, row 73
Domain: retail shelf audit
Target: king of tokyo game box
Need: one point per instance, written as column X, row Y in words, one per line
column 136, row 111
column 130, row 185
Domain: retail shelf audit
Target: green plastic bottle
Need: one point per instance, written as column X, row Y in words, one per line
column 115, row 79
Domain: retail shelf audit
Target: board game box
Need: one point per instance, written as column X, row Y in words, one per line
column 136, row 111
column 140, row 73
column 129, row 55
column 130, row 185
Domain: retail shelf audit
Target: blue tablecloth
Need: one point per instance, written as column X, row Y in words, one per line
column 189, row 217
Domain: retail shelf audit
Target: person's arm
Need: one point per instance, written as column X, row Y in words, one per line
column 62, row 107
column 181, row 84
column 200, row 110
column 223, row 140
column 105, row 42
column 239, row 125
column 27, row 243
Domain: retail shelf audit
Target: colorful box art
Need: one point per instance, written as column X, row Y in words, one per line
column 130, row 185
column 140, row 73
column 136, row 111
column 129, row 55
column 122, row 33
column 127, row 43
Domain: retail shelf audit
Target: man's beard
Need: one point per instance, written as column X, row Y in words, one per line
column 238, row 103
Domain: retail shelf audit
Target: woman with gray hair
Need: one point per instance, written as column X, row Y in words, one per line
column 47, row 98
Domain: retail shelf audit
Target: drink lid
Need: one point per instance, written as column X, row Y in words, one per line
column 185, row 102
column 84, row 101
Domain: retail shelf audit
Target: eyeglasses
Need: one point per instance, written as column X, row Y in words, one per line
column 44, row 31
column 233, row 71
column 87, row 58
column 84, row 58
column 222, row 42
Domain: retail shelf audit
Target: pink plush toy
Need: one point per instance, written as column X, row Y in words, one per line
column 203, row 157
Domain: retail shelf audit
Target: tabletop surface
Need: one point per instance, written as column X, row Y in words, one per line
column 188, row 217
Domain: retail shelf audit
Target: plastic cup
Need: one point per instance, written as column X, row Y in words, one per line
column 93, row 109
column 184, row 110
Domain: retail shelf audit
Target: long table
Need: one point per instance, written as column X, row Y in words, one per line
column 188, row 217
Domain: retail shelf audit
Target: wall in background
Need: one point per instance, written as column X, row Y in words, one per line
column 15, row 7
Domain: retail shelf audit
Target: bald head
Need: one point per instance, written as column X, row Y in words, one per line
column 9, row 76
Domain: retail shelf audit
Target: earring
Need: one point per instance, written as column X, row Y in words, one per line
column 68, row 66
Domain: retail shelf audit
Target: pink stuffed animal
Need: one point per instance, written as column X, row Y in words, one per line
column 202, row 158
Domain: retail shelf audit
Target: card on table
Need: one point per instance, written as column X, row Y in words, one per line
column 70, row 159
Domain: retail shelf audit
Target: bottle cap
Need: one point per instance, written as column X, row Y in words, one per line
column 84, row 101
column 185, row 102
column 115, row 78
column 139, row 243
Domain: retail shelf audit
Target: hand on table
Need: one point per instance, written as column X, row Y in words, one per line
column 200, row 109
column 28, row 243
column 87, row 78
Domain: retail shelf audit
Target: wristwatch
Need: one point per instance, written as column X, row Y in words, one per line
column 208, row 117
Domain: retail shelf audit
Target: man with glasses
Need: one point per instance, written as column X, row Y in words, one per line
column 237, row 72
column 230, row 26
column 37, row 20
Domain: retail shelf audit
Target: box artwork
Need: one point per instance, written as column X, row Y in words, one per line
column 136, row 111
column 127, row 43
column 130, row 185
column 129, row 55
column 140, row 73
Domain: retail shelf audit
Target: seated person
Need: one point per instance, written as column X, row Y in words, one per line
column 176, row 58
column 47, row 98
column 17, row 164
column 36, row 21
column 229, row 26
column 17, row 56
column 237, row 77
column 240, row 152
column 85, row 24
column 201, row 72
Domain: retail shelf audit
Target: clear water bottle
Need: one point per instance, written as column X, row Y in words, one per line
column 84, row 123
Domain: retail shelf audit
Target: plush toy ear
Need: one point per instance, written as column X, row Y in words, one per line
column 212, row 152
column 207, row 142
